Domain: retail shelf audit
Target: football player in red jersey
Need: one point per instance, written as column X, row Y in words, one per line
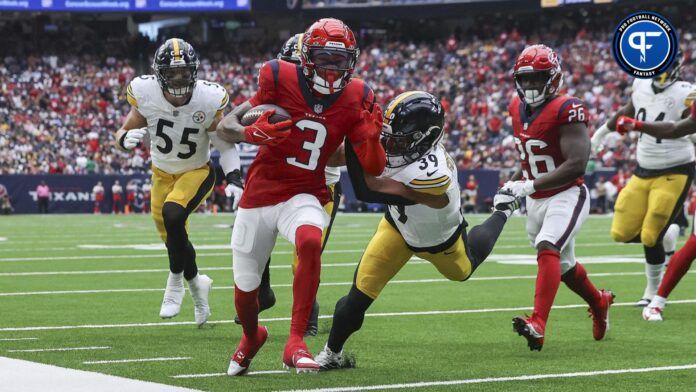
column 681, row 261
column 286, row 187
column 551, row 135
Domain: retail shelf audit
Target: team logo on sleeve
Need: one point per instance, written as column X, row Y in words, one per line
column 198, row 117
column 645, row 44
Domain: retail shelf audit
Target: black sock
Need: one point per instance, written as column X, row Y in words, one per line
column 182, row 256
column 348, row 317
column 655, row 255
column 482, row 238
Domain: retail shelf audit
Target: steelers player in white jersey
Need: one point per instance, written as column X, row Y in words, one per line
column 654, row 196
column 177, row 112
column 424, row 216
column 290, row 52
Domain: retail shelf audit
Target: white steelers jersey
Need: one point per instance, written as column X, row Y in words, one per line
column 420, row 225
column 332, row 174
column 179, row 139
column 668, row 105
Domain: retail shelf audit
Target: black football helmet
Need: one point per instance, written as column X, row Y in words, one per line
column 413, row 125
column 290, row 52
column 176, row 67
column 669, row 77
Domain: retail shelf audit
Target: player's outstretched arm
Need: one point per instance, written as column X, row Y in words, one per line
column 627, row 110
column 661, row 130
column 575, row 147
column 132, row 132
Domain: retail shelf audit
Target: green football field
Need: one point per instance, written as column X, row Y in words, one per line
column 96, row 283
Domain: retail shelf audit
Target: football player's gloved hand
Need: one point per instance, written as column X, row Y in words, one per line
column 235, row 187
column 521, row 188
column 626, row 124
column 133, row 137
column 263, row 132
column 375, row 120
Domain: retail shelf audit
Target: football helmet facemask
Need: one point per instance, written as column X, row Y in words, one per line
column 176, row 67
column 413, row 125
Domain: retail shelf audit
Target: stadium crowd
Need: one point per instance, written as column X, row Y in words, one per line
column 59, row 109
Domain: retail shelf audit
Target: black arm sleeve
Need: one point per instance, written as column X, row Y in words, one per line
column 362, row 192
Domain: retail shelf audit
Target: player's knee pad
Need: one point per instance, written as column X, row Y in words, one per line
column 174, row 217
column 308, row 237
column 627, row 218
column 660, row 211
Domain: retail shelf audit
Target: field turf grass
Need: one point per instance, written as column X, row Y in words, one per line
column 97, row 281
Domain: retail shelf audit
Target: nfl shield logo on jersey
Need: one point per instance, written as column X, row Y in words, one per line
column 198, row 117
column 318, row 108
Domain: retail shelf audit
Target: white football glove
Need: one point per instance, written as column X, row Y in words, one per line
column 233, row 190
column 134, row 137
column 521, row 188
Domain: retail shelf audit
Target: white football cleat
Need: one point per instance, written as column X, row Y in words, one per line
column 643, row 302
column 173, row 295
column 329, row 360
column 200, row 287
column 652, row 313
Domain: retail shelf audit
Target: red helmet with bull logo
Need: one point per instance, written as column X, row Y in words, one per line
column 537, row 74
column 329, row 54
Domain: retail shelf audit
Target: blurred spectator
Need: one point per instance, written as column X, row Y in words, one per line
column 469, row 195
column 98, row 192
column 5, row 205
column 43, row 192
column 131, row 193
column 116, row 197
column 601, row 194
column 147, row 194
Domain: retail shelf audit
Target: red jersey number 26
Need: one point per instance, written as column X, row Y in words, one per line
column 526, row 150
column 312, row 147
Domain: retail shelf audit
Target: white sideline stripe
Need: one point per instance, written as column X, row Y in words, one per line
column 158, row 359
column 22, row 375
column 148, row 256
column 348, row 283
column 499, row 379
column 41, row 350
column 328, row 316
column 205, row 375
column 15, row 339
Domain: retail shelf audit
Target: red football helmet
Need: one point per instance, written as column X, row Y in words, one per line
column 329, row 53
column 537, row 74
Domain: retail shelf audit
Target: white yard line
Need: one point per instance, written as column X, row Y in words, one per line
column 41, row 350
column 16, row 339
column 530, row 377
column 206, row 375
column 265, row 320
column 159, row 359
column 346, row 283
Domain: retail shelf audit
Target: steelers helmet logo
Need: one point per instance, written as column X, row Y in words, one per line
column 198, row 117
column 645, row 44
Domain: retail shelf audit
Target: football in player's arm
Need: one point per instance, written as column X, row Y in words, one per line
column 423, row 216
column 179, row 114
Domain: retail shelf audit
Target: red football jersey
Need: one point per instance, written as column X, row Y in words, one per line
column 537, row 136
column 296, row 165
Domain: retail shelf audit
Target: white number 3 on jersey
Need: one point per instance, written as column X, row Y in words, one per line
column 313, row 147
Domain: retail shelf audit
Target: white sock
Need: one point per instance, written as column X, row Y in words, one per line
column 653, row 273
column 175, row 280
column 658, row 302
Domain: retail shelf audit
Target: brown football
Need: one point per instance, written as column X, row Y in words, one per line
column 254, row 113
